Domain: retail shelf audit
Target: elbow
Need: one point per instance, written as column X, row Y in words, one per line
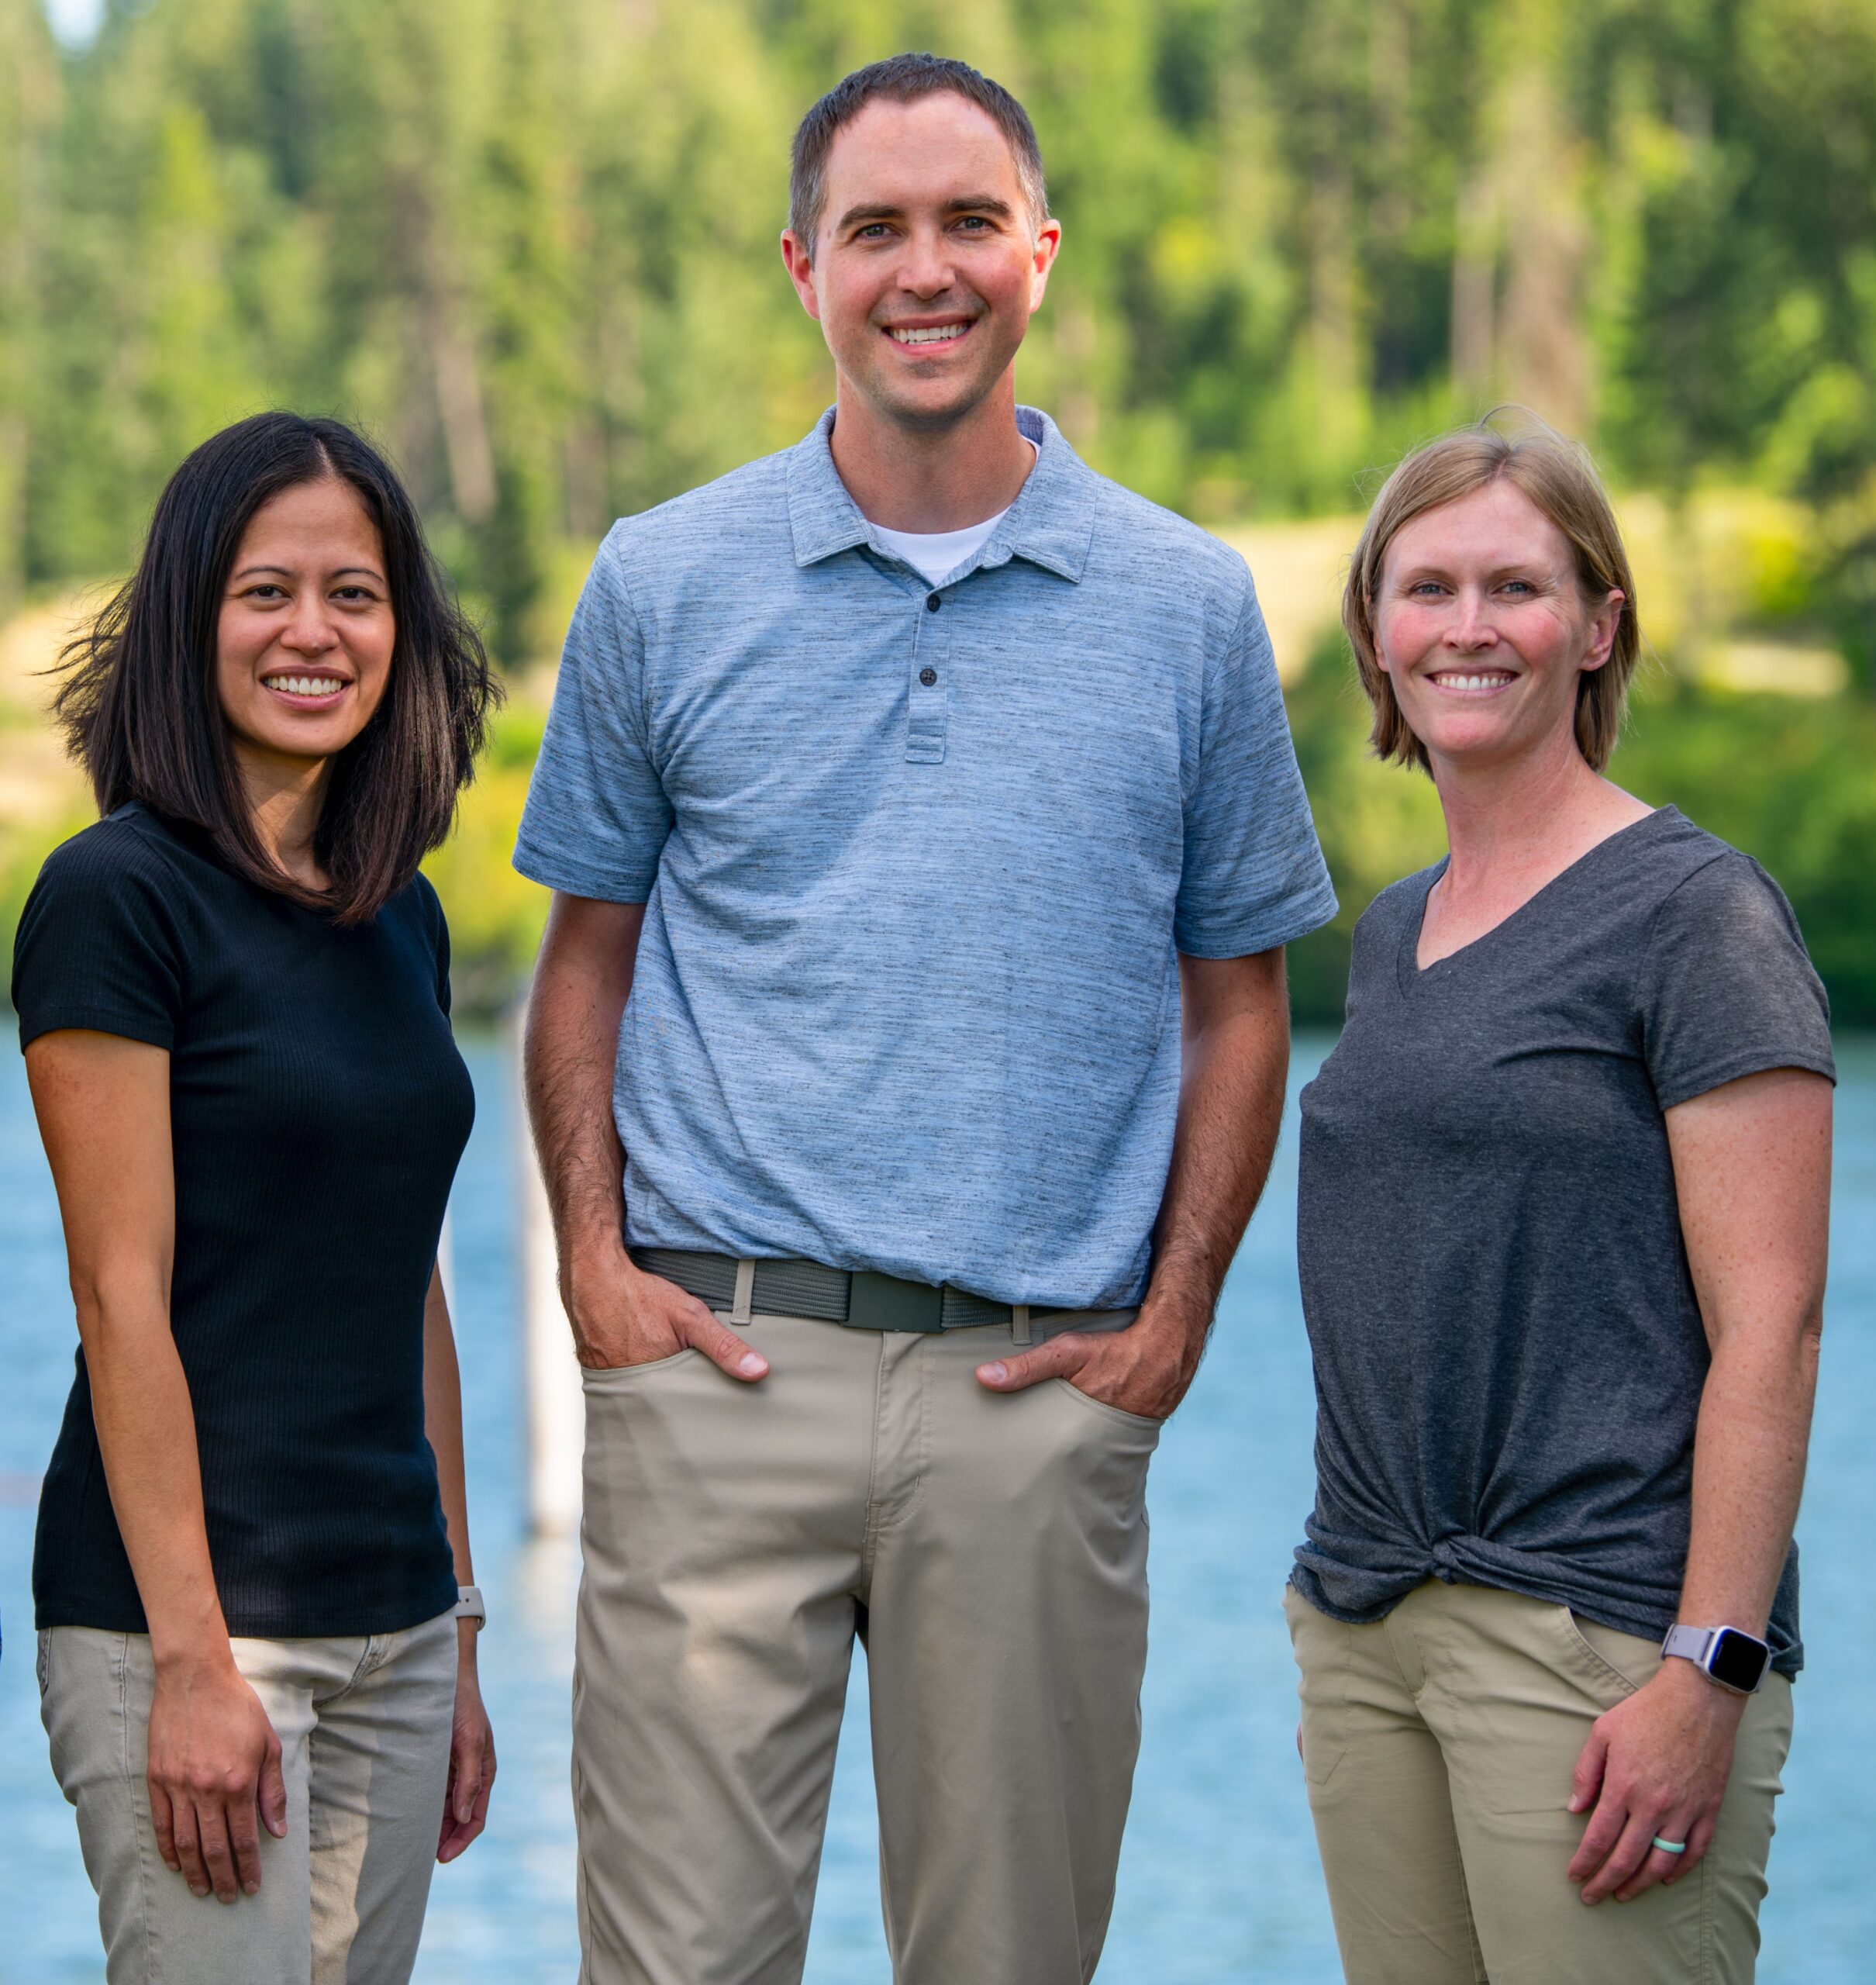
column 113, row 1305
column 1811, row 1335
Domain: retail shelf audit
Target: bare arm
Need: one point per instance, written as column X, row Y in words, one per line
column 472, row 1743
column 1235, row 1037
column 620, row 1315
column 103, row 1107
column 1752, row 1172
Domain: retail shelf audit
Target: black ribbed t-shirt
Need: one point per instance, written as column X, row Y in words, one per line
column 318, row 1109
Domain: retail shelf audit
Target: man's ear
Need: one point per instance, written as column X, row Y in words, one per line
column 800, row 266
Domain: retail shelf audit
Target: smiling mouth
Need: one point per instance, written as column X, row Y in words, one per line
column 1473, row 682
column 311, row 689
column 913, row 337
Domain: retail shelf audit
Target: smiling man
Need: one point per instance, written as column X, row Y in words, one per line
column 931, row 798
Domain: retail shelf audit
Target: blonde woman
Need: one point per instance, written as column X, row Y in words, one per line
column 1562, row 1233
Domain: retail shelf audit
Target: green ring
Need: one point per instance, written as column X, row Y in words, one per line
column 1670, row 1846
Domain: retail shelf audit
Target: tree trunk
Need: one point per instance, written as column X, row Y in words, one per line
column 1475, row 288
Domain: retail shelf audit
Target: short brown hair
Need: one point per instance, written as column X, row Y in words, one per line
column 1560, row 478
column 905, row 79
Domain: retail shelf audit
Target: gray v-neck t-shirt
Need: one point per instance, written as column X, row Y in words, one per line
column 1509, row 1352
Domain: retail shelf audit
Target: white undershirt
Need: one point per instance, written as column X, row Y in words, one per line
column 938, row 553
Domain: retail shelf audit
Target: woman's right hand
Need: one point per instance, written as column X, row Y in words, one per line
column 215, row 1775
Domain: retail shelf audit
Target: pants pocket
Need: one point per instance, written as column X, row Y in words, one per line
column 1612, row 1665
column 605, row 1378
column 1140, row 1422
column 1321, row 1646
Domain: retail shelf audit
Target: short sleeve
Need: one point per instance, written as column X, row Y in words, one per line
column 596, row 817
column 1727, row 987
column 98, row 945
column 1254, row 876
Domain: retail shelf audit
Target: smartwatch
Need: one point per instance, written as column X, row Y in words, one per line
column 469, row 1605
column 1736, row 1660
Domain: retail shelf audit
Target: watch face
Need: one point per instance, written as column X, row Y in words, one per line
column 1738, row 1660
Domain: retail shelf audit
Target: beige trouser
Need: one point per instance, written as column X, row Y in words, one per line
column 363, row 1726
column 1439, row 1745
column 991, row 1552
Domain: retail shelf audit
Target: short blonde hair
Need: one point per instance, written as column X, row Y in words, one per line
column 1561, row 480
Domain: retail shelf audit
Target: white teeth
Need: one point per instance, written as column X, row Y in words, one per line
column 304, row 685
column 1472, row 682
column 935, row 335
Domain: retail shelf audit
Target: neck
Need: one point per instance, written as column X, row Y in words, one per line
column 932, row 479
column 285, row 797
column 1537, row 811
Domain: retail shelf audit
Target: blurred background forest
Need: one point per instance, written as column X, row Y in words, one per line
column 531, row 247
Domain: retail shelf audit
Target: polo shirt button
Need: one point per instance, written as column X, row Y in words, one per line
column 933, row 602
column 928, row 676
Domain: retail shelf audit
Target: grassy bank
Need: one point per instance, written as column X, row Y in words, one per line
column 1745, row 717
column 1790, row 779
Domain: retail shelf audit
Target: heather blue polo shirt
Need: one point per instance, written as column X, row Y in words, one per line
column 916, row 863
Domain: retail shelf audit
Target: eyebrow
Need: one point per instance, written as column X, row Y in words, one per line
column 973, row 203
column 286, row 571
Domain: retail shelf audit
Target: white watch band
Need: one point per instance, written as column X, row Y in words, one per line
column 1721, row 1654
column 469, row 1604
column 1692, row 1643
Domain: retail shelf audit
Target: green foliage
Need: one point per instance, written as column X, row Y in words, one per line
column 532, row 247
column 1786, row 779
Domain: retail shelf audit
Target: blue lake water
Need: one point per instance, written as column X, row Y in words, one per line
column 1219, row 1883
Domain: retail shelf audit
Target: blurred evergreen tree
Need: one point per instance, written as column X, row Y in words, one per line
column 532, row 247
column 29, row 108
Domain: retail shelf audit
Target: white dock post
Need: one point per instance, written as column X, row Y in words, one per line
column 445, row 1263
column 550, row 1373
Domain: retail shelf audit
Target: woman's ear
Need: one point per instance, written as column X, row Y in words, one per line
column 1604, row 621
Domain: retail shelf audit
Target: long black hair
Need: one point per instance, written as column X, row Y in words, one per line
column 141, row 711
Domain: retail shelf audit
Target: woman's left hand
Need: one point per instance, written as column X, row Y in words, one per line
column 1656, row 1764
column 472, row 1757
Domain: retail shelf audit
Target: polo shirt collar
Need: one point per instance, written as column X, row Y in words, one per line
column 1051, row 523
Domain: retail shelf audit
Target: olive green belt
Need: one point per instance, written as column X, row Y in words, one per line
column 859, row 1298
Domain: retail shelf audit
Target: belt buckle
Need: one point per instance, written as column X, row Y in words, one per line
column 884, row 1302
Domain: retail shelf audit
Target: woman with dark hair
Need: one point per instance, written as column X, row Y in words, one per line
column 252, row 1575
column 1563, row 1193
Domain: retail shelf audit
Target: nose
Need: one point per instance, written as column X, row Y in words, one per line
column 310, row 630
column 1470, row 627
column 925, row 270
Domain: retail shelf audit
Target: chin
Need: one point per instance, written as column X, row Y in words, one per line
column 930, row 405
column 932, row 412
column 311, row 743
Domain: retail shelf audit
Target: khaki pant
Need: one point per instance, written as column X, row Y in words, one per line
column 365, row 1730
column 991, row 1552
column 1439, row 1745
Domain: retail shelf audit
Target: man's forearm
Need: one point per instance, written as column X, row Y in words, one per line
column 619, row 1316
column 1237, row 1056
column 581, row 986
